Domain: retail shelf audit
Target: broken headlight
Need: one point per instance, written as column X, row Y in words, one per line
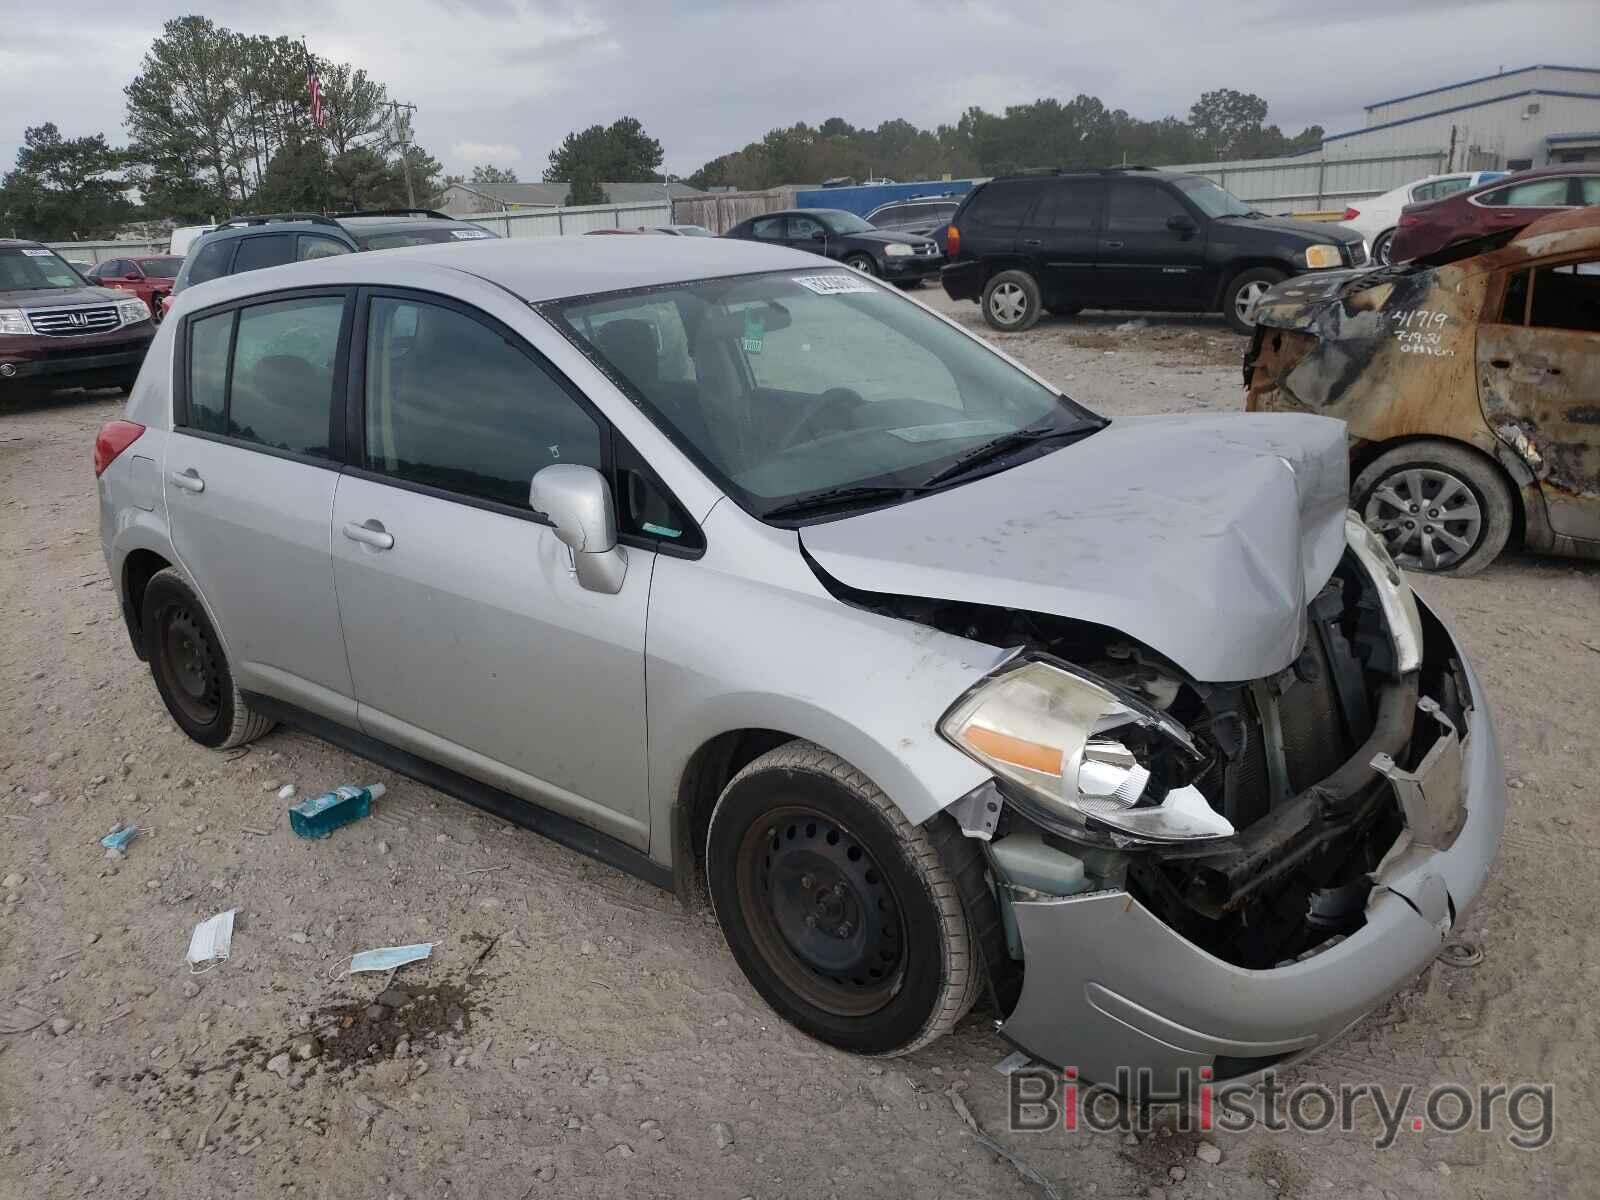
column 1394, row 593
column 1081, row 753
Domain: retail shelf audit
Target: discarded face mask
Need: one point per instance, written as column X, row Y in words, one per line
column 388, row 958
column 118, row 839
column 211, row 941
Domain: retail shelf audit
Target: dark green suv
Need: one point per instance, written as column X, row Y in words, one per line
column 1127, row 237
column 273, row 239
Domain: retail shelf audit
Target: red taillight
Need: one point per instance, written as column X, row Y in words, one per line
column 116, row 437
column 1350, row 214
column 952, row 242
column 1408, row 220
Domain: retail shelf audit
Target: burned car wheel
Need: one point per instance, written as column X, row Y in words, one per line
column 1243, row 290
column 1011, row 302
column 841, row 913
column 1438, row 507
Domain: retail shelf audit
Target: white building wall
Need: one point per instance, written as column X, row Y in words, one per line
column 1500, row 130
column 1557, row 79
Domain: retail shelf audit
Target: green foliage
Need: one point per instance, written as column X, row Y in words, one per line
column 213, row 111
column 64, row 188
column 620, row 152
column 492, row 174
column 1047, row 132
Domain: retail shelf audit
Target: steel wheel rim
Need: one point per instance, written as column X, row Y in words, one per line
column 1430, row 519
column 1008, row 303
column 189, row 664
column 821, row 912
column 1247, row 296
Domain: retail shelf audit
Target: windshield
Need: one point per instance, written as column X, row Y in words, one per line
column 428, row 236
column 161, row 268
column 33, row 268
column 790, row 384
column 1213, row 200
column 839, row 221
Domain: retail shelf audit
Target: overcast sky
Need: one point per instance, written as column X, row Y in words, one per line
column 503, row 81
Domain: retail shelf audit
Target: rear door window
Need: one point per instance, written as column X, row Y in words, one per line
column 767, row 229
column 211, row 261
column 1567, row 297
column 1535, row 193
column 1001, row 205
column 267, row 250
column 317, row 245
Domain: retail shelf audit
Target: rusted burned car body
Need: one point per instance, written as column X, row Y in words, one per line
column 1462, row 352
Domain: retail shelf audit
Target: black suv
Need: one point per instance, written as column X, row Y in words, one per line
column 1126, row 237
column 57, row 331
column 273, row 239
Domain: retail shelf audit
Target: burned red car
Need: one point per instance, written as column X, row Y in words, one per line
column 1469, row 382
column 148, row 277
column 1503, row 205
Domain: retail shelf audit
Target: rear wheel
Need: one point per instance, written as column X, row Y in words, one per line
column 1380, row 247
column 190, row 669
column 1438, row 507
column 1011, row 302
column 842, row 914
column 1243, row 290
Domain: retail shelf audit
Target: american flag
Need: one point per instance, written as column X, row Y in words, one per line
column 318, row 117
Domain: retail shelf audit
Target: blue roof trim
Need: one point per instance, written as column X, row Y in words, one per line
column 1592, row 136
column 1450, row 87
column 1439, row 112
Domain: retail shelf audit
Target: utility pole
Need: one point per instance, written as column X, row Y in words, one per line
column 402, row 135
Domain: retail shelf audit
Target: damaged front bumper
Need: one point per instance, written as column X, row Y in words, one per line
column 1116, row 993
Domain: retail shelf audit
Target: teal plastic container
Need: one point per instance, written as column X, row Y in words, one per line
column 319, row 817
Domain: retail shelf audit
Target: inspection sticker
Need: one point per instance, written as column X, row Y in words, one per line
column 465, row 234
column 38, row 253
column 833, row 285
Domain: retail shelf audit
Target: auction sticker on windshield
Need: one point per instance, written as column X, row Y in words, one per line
column 470, row 233
column 833, row 285
column 38, row 253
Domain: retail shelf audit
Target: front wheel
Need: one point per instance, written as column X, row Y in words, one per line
column 1241, row 294
column 862, row 263
column 841, row 913
column 1437, row 506
column 1380, row 247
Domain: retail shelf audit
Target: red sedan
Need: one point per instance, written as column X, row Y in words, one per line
column 150, row 278
column 1502, row 204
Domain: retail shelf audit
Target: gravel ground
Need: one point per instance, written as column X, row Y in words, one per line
column 578, row 1033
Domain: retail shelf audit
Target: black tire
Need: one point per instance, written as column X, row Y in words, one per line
column 1380, row 247
column 862, row 263
column 1477, row 513
column 1063, row 310
column 800, row 839
column 1011, row 302
column 190, row 668
column 1243, row 285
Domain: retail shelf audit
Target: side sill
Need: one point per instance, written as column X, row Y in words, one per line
column 558, row 828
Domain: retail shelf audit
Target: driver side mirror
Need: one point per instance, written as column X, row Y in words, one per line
column 1181, row 225
column 578, row 504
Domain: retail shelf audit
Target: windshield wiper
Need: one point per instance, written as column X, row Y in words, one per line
column 840, row 496
column 1004, row 444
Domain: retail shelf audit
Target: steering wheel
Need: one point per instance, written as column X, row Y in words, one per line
column 835, row 398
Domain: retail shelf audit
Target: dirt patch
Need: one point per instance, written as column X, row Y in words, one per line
column 363, row 1030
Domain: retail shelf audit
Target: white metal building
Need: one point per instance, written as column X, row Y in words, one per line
column 1529, row 117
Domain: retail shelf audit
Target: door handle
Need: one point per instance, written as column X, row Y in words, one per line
column 370, row 533
column 1032, row 242
column 189, row 480
column 1500, row 364
column 1112, row 245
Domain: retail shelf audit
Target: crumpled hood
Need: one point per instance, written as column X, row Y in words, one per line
column 1203, row 537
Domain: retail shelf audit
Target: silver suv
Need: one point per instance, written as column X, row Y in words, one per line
column 712, row 559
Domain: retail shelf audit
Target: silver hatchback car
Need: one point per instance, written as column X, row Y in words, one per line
column 714, row 560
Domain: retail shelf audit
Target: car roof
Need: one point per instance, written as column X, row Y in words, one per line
column 13, row 243
column 408, row 221
column 535, row 269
